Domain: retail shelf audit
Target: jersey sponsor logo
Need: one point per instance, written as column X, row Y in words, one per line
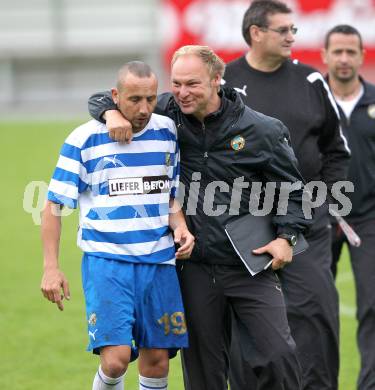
column 138, row 185
column 371, row 111
column 237, row 143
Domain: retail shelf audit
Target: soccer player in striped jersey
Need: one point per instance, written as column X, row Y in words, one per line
column 126, row 196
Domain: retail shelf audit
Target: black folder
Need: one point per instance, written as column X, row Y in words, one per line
column 250, row 232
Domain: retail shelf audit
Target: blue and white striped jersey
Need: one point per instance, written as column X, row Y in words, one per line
column 122, row 190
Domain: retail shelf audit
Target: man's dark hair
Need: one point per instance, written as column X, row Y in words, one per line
column 343, row 29
column 137, row 68
column 257, row 14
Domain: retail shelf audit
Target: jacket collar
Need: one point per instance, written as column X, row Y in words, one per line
column 368, row 96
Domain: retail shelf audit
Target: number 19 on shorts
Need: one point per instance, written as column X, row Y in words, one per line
column 174, row 323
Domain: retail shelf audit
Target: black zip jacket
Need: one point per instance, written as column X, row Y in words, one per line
column 210, row 165
column 360, row 132
column 297, row 95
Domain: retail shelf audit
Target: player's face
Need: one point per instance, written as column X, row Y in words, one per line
column 193, row 87
column 136, row 99
column 343, row 56
column 277, row 39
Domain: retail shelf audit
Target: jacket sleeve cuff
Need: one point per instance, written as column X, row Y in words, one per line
column 107, row 108
column 286, row 230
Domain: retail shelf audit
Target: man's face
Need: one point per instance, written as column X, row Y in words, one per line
column 136, row 99
column 192, row 85
column 343, row 56
column 277, row 39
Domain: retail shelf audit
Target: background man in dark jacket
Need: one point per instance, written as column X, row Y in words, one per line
column 296, row 94
column 221, row 141
column 343, row 53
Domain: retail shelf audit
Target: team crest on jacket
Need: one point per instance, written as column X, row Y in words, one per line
column 371, row 111
column 237, row 143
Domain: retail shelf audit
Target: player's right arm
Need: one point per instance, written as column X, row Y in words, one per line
column 54, row 286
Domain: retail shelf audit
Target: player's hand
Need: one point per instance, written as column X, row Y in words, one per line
column 55, row 287
column 120, row 129
column 185, row 239
column 280, row 250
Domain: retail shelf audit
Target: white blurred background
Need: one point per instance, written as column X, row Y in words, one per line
column 55, row 53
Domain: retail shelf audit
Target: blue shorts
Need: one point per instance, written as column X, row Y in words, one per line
column 131, row 304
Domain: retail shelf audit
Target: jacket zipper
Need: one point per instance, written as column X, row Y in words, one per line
column 203, row 178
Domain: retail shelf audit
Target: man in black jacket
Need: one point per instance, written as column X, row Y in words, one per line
column 271, row 83
column 225, row 148
column 343, row 54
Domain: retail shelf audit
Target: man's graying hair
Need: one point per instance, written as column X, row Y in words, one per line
column 257, row 14
column 137, row 68
column 214, row 63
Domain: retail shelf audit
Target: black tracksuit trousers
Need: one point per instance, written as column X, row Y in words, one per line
column 363, row 265
column 210, row 293
column 312, row 307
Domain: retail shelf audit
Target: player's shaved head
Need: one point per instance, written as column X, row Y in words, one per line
column 136, row 93
column 137, row 68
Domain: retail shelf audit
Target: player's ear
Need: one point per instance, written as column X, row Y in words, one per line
column 216, row 81
column 363, row 53
column 323, row 55
column 115, row 94
column 255, row 33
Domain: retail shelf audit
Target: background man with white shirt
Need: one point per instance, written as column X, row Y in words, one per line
column 343, row 53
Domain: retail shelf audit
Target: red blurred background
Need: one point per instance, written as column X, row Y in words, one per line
column 217, row 23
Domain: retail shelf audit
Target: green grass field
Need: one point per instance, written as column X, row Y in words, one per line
column 41, row 347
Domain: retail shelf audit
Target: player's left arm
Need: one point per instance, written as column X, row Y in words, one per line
column 177, row 221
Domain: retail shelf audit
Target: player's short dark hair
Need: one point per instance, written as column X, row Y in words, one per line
column 343, row 29
column 137, row 68
column 257, row 14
